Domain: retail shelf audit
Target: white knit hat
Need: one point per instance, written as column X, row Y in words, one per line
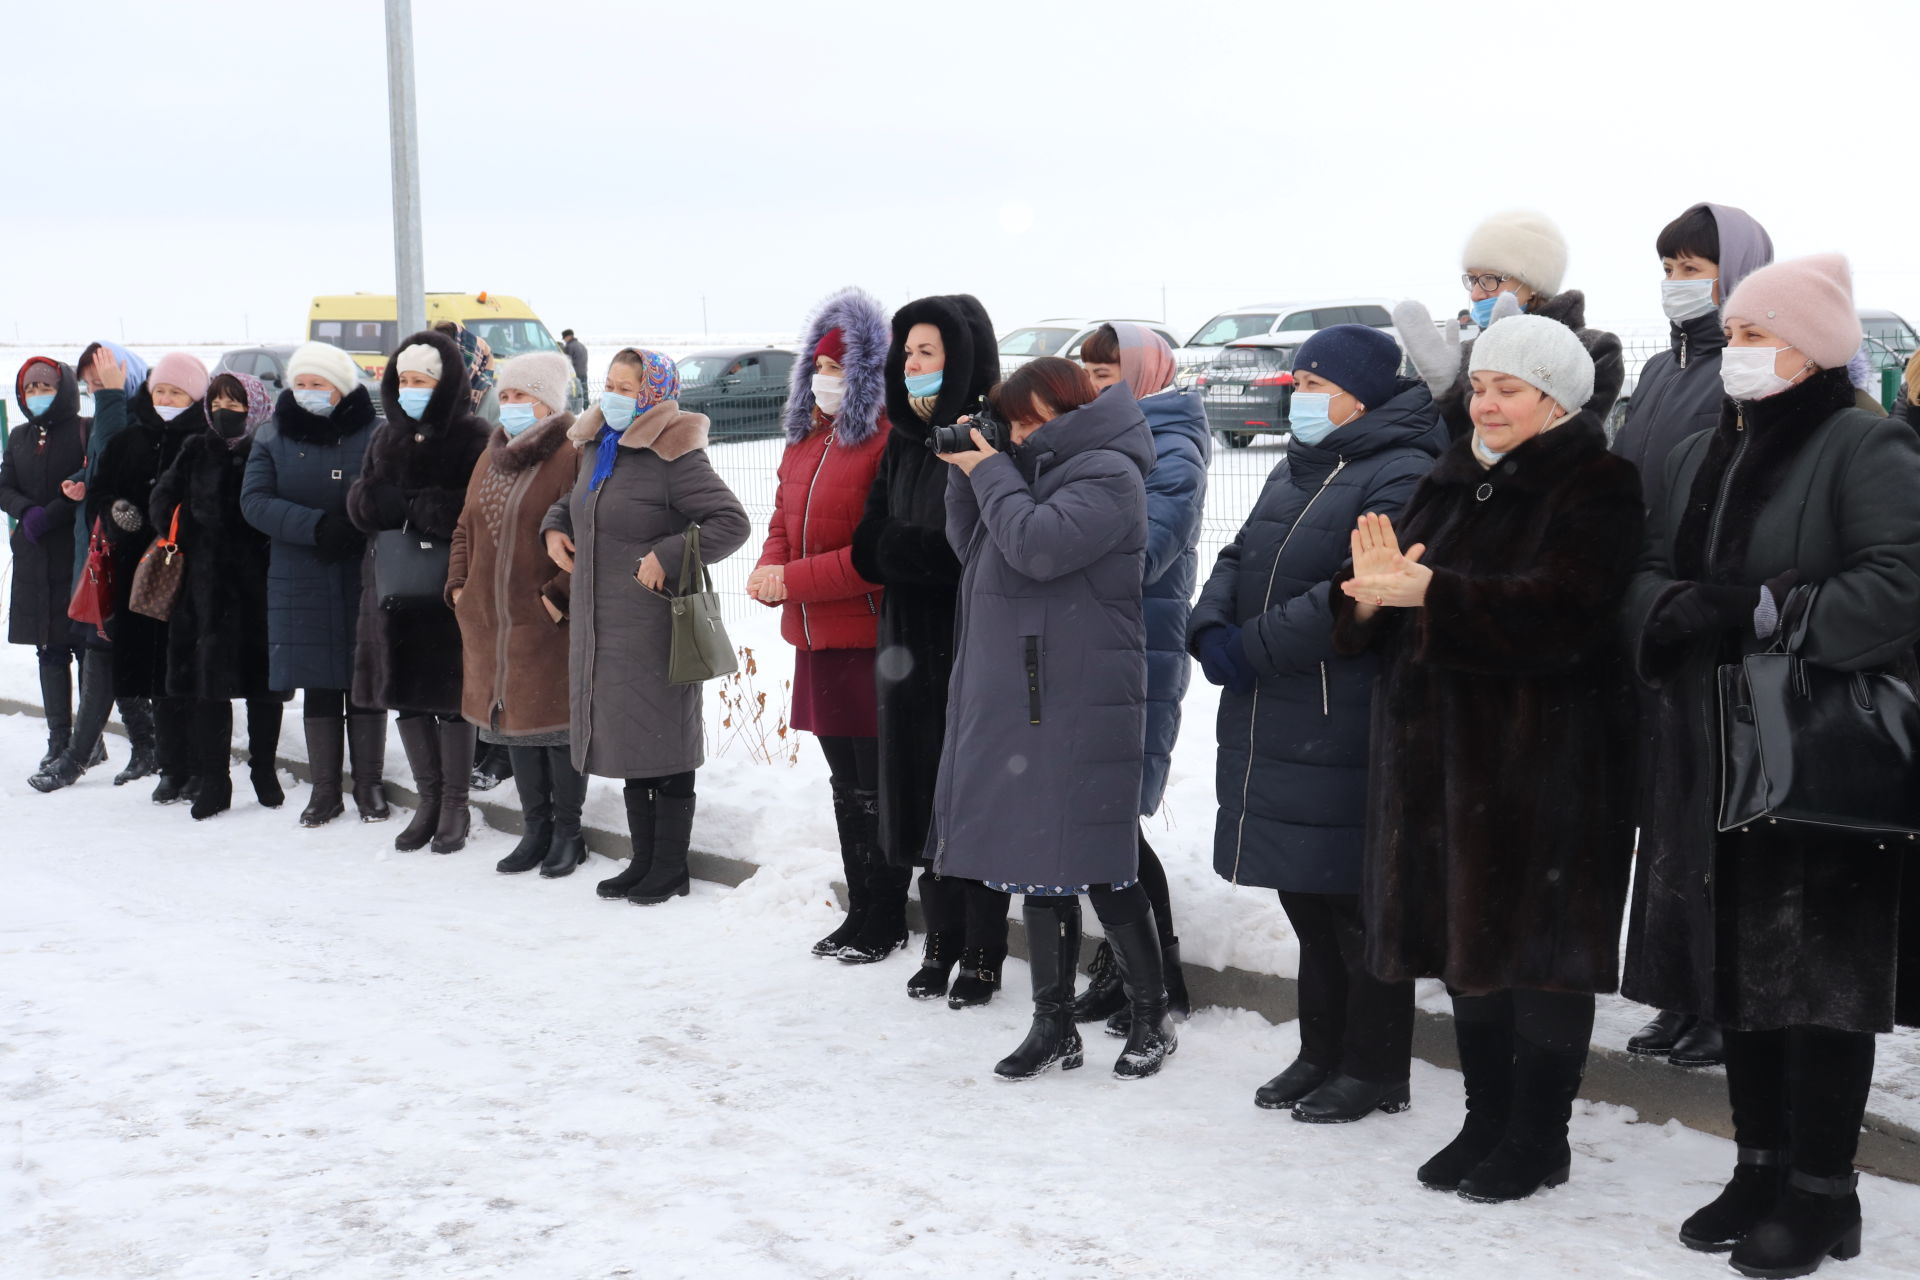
column 324, row 360
column 1540, row 352
column 420, row 358
column 1521, row 244
column 545, row 375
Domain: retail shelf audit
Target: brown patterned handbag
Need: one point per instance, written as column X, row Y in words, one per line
column 156, row 581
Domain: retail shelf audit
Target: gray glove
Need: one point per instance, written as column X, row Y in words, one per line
column 1435, row 351
column 126, row 516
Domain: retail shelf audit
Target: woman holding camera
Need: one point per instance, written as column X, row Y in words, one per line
column 1039, row 784
column 942, row 362
column 1500, row 815
column 1803, row 942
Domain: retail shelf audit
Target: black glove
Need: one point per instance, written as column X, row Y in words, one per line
column 1702, row 608
column 335, row 539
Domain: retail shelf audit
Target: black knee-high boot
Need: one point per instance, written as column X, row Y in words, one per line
column 89, row 722
column 56, row 699
column 569, row 847
column 420, row 739
column 1486, row 1063
column 173, row 748
column 136, row 716
column 1053, row 942
column 326, row 740
column 263, row 749
column 1757, row 1090
column 885, row 929
column 854, row 866
column 535, row 785
column 367, row 752
column 456, row 738
column 668, row 877
column 212, row 756
column 1150, row 1036
column 642, row 801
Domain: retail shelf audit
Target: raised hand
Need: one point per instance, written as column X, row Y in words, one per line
column 1435, row 352
column 107, row 373
column 1383, row 575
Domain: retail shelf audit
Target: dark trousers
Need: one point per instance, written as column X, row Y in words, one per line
column 1114, row 907
column 212, row 734
column 1557, row 1021
column 1350, row 1021
column 331, row 704
column 677, row 785
column 853, row 762
column 1802, row 1090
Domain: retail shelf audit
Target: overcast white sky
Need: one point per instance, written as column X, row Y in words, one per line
column 197, row 171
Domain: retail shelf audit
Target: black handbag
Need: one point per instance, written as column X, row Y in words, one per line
column 410, row 568
column 1808, row 744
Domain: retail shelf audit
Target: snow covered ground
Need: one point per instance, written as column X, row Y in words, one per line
column 239, row 1049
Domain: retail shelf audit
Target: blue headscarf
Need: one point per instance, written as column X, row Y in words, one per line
column 659, row 382
column 136, row 367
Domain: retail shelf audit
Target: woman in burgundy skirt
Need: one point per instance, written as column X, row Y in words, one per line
column 836, row 427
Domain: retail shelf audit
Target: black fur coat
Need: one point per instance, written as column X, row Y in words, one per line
column 1499, row 811
column 415, row 475
column 1781, row 925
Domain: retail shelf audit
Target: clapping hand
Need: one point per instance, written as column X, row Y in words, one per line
column 1383, row 575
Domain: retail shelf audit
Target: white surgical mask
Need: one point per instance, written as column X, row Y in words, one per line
column 1686, row 299
column 829, row 392
column 1747, row 372
column 168, row 412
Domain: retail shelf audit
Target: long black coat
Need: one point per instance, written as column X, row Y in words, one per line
column 415, row 476
column 1569, row 307
column 901, row 543
column 217, row 634
column 1291, row 773
column 300, row 469
column 1499, row 812
column 43, row 451
column 129, row 467
column 1780, row 925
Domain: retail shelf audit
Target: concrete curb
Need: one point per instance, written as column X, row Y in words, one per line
column 1656, row 1091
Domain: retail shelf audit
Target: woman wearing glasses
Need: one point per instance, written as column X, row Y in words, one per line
column 1514, row 265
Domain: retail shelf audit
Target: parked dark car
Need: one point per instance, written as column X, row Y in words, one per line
column 1248, row 388
column 269, row 364
column 742, row 390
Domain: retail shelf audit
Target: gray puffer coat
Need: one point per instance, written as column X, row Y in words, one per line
column 1046, row 715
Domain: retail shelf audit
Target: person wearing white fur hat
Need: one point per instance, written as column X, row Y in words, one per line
column 1514, row 263
column 510, row 600
column 1500, row 623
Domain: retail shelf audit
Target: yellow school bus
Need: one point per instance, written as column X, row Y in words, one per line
column 366, row 324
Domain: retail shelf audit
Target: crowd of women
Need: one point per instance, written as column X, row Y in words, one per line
column 1467, row 647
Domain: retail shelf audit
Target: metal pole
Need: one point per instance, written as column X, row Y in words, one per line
column 409, row 277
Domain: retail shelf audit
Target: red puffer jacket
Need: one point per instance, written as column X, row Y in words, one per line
column 823, row 490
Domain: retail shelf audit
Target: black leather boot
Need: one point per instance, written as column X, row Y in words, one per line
column 420, row 739
column 943, row 909
column 884, row 931
column 978, row 979
column 173, row 749
column 1701, row 1046
column 672, row 839
column 89, row 723
column 1486, row 1063
column 56, row 699
column 212, row 754
column 1657, row 1038
column 367, row 749
column 1533, row 1153
column 535, row 785
column 1758, row 1177
column 1104, row 996
column 1120, row 1021
column 1150, row 1035
column 986, row 947
column 853, row 864
column 569, row 847
column 136, row 715
column 641, row 804
column 1053, row 939
column 1296, row 1082
column 1813, row 1220
column 1341, row 1099
column 456, row 773
column 326, row 737
column 263, row 749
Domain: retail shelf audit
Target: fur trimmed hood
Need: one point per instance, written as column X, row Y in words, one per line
column 664, row 428
column 863, row 322
column 451, row 395
column 511, row 455
column 973, row 360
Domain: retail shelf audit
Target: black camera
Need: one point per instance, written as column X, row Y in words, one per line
column 958, row 438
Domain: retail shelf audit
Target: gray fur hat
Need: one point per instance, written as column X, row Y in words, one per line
column 544, row 375
column 1540, row 352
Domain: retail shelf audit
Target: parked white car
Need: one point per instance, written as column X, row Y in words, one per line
column 1063, row 338
column 1272, row 319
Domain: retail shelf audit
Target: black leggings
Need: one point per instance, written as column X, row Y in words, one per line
column 1114, row 907
column 1350, row 1021
column 1153, row 878
column 1557, row 1021
column 677, row 785
column 332, row 704
column 853, row 762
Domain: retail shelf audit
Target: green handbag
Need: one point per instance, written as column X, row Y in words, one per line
column 700, row 649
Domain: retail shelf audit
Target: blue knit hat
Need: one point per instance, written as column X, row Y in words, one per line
column 1360, row 360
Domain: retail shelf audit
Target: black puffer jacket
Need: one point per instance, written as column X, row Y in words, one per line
column 1679, row 394
column 1291, row 774
column 43, row 451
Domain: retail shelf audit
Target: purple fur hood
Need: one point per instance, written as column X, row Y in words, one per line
column 863, row 321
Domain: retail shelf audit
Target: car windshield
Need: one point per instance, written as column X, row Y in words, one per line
column 373, row 337
column 1221, row 330
column 1035, row 342
column 509, row 338
column 698, row 371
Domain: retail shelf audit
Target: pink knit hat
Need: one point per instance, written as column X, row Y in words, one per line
column 181, row 370
column 1807, row 302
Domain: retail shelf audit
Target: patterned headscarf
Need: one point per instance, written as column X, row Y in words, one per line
column 259, row 404
column 659, row 382
column 478, row 357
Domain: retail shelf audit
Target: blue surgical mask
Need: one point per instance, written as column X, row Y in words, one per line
column 413, row 401
column 1686, row 299
column 618, row 410
column 1307, row 413
column 315, row 401
column 1487, row 455
column 922, row 385
column 515, row 418
column 37, row 405
column 1482, row 308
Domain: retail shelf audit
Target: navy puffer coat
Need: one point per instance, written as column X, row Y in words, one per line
column 1176, row 499
column 1291, row 775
